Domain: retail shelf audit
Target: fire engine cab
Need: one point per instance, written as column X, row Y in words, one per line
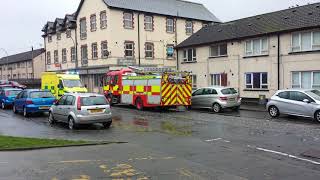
column 148, row 89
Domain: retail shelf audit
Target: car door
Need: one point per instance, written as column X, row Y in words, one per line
column 68, row 105
column 283, row 102
column 59, row 108
column 207, row 98
column 298, row 106
column 196, row 98
column 2, row 96
column 22, row 100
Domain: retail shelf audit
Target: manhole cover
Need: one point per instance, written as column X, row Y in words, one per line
column 312, row 153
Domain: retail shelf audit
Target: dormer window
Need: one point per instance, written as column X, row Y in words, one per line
column 49, row 38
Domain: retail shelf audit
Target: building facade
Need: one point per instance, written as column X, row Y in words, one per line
column 23, row 66
column 257, row 55
column 113, row 34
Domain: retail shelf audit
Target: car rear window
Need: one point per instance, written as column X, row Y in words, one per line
column 41, row 94
column 12, row 92
column 229, row 91
column 93, row 101
column 315, row 94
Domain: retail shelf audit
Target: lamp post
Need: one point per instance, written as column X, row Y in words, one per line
column 7, row 58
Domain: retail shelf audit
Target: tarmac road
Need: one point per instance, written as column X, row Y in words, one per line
column 169, row 145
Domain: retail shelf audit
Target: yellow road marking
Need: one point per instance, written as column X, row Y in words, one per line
column 103, row 166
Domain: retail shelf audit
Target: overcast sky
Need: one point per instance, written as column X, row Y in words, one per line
column 21, row 21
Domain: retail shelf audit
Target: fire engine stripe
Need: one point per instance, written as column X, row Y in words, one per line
column 183, row 92
column 172, row 96
column 166, row 90
column 187, row 90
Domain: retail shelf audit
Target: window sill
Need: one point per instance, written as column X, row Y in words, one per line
column 255, row 56
column 257, row 90
column 304, row 52
column 188, row 62
column 170, row 58
column 214, row 57
column 129, row 28
column 148, row 58
column 170, row 32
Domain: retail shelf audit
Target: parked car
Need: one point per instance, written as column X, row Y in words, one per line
column 7, row 96
column 296, row 102
column 11, row 84
column 81, row 108
column 216, row 98
column 33, row 101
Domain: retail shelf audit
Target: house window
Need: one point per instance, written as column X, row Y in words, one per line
column 29, row 64
column 306, row 80
column 170, row 25
column 148, row 23
column 94, row 52
column 48, row 58
column 256, row 80
column 128, row 20
column 56, row 56
column 84, row 54
column 18, row 65
column 73, row 54
column 190, row 55
column 257, row 47
column 93, row 22
column 149, row 48
column 129, row 49
column 170, row 51
column 104, row 49
column 68, row 33
column 23, row 64
column 83, row 28
column 194, row 81
column 189, row 27
column 219, row 79
column 58, row 36
column 103, row 19
column 64, row 55
column 49, row 38
column 218, row 50
column 306, row 41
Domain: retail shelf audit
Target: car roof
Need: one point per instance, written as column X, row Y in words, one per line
column 36, row 90
column 12, row 89
column 216, row 87
column 295, row 89
column 84, row 94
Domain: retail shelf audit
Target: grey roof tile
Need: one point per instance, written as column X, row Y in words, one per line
column 25, row 56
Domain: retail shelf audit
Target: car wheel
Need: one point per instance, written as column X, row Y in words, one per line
column 25, row 112
column 274, row 111
column 107, row 125
column 72, row 124
column 216, row 108
column 51, row 119
column 3, row 106
column 317, row 116
column 14, row 109
column 139, row 104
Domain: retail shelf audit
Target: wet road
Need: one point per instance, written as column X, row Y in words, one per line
column 169, row 145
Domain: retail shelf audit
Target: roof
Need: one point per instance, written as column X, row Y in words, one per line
column 293, row 19
column 175, row 8
column 25, row 56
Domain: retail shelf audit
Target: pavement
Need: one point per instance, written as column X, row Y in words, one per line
column 169, row 145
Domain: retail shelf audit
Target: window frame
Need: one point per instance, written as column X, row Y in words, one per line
column 84, row 58
column 128, row 20
column 94, row 51
column 219, row 50
column 125, row 49
column 73, row 54
column 68, row 33
column 312, row 45
column 56, row 57
column 173, row 54
column 49, row 38
column 169, row 25
column 262, row 52
column 189, row 29
column 48, row 57
column 312, row 85
column 252, row 81
column 93, row 22
column 83, row 28
column 64, row 55
column 58, row 36
column 149, row 50
column 103, row 50
column 194, row 81
column 185, row 57
column 148, row 25
column 103, row 21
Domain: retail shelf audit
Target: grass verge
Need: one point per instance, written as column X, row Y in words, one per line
column 19, row 143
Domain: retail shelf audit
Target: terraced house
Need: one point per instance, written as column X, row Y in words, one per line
column 259, row 54
column 110, row 34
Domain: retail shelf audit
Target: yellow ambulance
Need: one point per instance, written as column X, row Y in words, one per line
column 60, row 83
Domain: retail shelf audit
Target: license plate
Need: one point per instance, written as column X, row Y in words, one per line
column 44, row 107
column 96, row 110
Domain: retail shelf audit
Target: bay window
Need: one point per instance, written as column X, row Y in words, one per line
column 256, row 80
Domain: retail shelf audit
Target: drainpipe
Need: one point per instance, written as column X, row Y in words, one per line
column 32, row 63
column 76, row 47
column 278, row 61
column 176, row 37
column 139, row 48
column 45, row 54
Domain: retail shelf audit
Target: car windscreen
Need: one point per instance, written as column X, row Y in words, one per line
column 229, row 91
column 12, row 92
column 93, row 101
column 41, row 94
column 71, row 83
column 314, row 94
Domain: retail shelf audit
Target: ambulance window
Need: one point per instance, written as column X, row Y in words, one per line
column 116, row 79
column 60, row 85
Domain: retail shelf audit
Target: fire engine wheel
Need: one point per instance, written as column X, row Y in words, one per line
column 139, row 104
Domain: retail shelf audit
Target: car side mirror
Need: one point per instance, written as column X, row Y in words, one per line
column 306, row 101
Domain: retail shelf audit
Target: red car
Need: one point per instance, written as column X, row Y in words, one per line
column 11, row 84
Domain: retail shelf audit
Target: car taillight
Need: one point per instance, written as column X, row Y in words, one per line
column 29, row 102
column 79, row 103
column 223, row 98
column 238, row 98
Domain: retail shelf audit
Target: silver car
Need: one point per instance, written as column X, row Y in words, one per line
column 296, row 102
column 216, row 98
column 81, row 108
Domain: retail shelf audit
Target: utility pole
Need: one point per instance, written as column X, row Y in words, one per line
column 7, row 60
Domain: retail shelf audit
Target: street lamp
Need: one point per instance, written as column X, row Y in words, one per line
column 7, row 58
